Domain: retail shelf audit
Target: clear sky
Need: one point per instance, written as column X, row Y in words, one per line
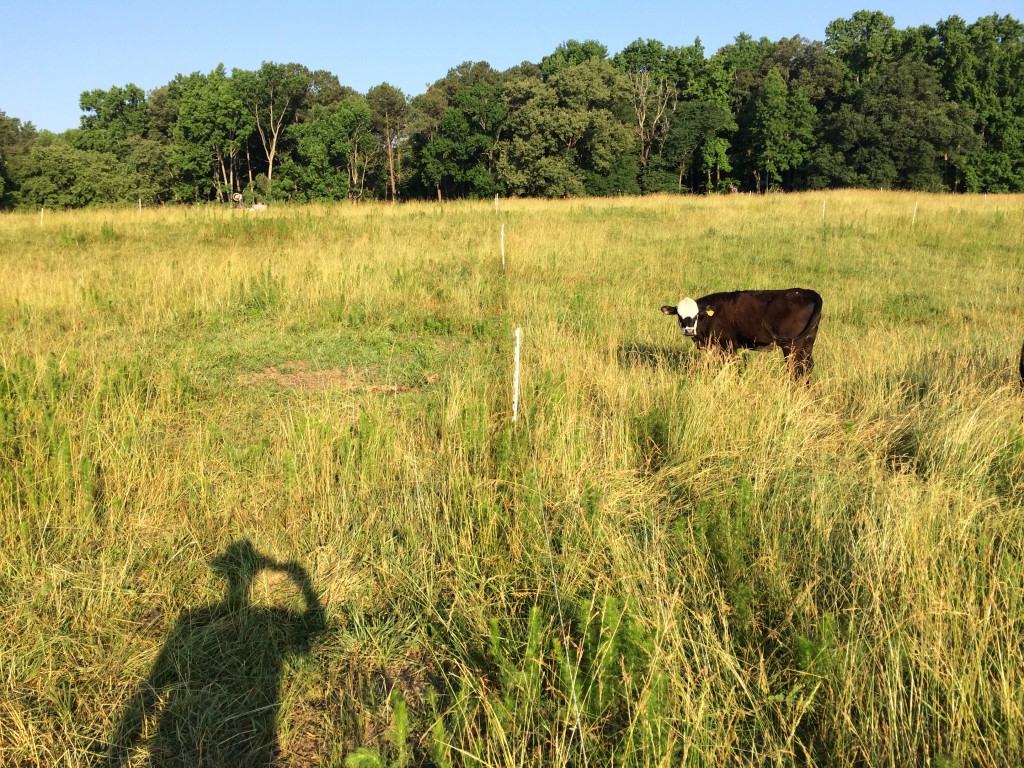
column 53, row 50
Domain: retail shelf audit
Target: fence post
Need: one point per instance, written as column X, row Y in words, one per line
column 515, row 377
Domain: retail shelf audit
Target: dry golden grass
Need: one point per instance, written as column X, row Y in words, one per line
column 749, row 570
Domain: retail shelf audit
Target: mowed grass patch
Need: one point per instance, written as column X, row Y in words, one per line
column 263, row 502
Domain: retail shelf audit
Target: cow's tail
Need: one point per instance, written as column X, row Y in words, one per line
column 812, row 324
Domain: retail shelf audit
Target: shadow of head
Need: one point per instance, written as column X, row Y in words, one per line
column 239, row 564
column 239, row 560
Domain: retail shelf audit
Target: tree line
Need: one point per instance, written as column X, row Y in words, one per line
column 930, row 108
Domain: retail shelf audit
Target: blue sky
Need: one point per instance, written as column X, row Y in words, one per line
column 53, row 50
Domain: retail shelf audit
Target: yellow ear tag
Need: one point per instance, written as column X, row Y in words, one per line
column 709, row 312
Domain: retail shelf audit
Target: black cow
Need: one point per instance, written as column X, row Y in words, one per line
column 753, row 320
column 1022, row 366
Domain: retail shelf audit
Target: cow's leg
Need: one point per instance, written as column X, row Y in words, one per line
column 798, row 356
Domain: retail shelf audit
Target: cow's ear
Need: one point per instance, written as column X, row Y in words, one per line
column 709, row 312
column 669, row 310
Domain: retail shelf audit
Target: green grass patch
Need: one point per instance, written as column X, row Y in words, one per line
column 262, row 500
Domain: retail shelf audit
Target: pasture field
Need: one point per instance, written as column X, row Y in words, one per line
column 262, row 501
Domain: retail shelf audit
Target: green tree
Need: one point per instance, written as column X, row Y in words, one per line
column 783, row 130
column 698, row 145
column 899, row 132
column 529, row 162
column 981, row 66
column 56, row 174
column 454, row 132
column 210, row 132
column 651, row 70
column 323, row 89
column 568, row 135
column 111, row 117
column 148, row 162
column 335, row 145
column 163, row 112
column 742, row 67
column 118, row 122
column 272, row 95
column 16, row 139
column 863, row 42
column 389, row 113
column 570, row 54
column 770, row 129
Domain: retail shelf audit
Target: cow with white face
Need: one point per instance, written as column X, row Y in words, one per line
column 735, row 320
column 687, row 312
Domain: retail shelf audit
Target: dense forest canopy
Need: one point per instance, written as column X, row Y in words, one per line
column 931, row 108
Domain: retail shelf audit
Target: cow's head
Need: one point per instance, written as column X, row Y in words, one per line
column 686, row 312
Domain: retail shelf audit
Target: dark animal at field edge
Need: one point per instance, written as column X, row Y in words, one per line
column 734, row 320
column 1022, row 367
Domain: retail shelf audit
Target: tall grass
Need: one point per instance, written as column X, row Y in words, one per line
column 670, row 559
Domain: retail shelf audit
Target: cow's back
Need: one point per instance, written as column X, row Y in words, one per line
column 758, row 318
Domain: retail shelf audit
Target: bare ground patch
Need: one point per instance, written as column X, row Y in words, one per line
column 302, row 376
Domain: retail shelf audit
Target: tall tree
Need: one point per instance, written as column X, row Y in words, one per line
column 389, row 111
column 982, row 66
column 783, row 130
column 744, row 64
column 650, row 68
column 769, row 134
column 703, row 125
column 865, row 41
column 529, row 161
column 569, row 135
column 454, row 131
column 335, row 145
column 698, row 143
column 899, row 132
column 111, row 117
column 211, row 129
column 570, row 54
column 16, row 139
column 272, row 95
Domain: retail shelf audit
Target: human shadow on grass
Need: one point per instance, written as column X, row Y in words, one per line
column 212, row 695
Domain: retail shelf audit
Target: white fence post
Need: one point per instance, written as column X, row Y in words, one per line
column 515, row 377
